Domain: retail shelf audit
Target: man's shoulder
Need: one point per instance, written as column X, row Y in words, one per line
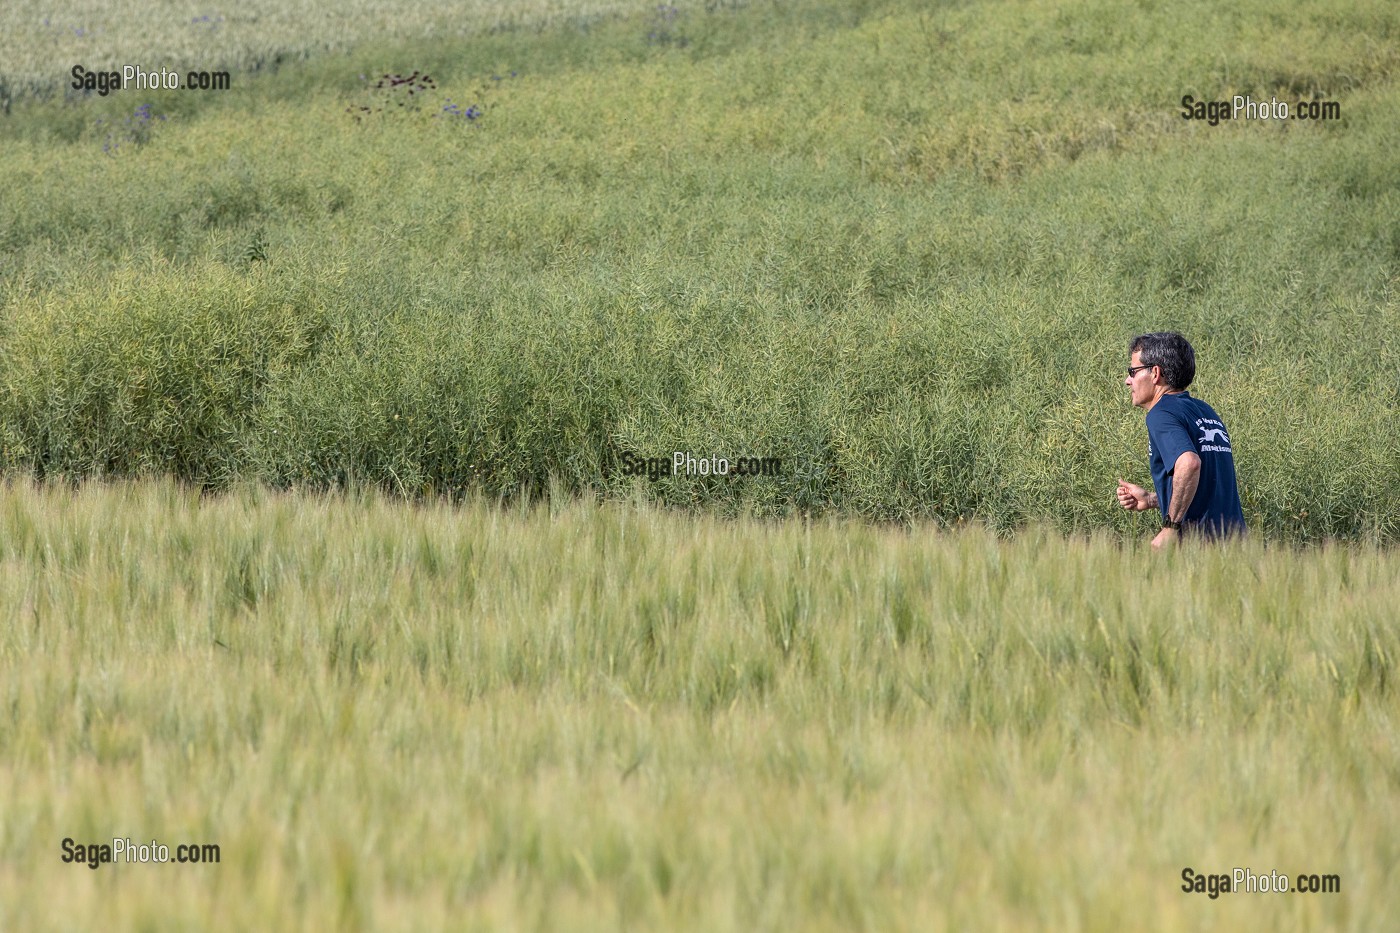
column 1170, row 409
column 1193, row 407
column 1181, row 406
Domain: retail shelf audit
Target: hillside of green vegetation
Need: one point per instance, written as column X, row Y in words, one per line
column 40, row 40
column 900, row 246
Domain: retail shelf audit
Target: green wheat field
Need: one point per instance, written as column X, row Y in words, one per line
column 315, row 543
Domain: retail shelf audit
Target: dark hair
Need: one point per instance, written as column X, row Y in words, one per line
column 1170, row 351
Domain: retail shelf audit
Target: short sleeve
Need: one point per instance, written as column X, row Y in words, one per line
column 1170, row 436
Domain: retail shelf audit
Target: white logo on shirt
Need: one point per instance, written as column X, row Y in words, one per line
column 1213, row 440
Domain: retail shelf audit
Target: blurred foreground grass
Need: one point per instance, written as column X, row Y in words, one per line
column 602, row 715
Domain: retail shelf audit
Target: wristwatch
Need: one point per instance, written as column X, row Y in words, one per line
column 1168, row 523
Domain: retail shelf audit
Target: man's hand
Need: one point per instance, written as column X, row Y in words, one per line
column 1166, row 538
column 1135, row 498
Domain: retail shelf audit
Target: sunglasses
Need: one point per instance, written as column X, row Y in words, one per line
column 1134, row 370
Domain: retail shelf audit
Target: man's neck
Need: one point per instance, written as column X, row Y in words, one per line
column 1157, row 396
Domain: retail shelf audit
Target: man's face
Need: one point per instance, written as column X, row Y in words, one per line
column 1140, row 384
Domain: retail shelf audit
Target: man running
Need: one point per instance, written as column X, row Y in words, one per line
column 1193, row 466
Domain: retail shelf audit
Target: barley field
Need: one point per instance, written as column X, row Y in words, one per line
column 608, row 715
column 318, row 542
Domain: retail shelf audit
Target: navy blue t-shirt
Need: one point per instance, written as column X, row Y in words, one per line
column 1176, row 424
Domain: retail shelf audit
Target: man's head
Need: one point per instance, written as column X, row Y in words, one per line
column 1158, row 363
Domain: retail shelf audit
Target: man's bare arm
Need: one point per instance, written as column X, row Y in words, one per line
column 1186, row 476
